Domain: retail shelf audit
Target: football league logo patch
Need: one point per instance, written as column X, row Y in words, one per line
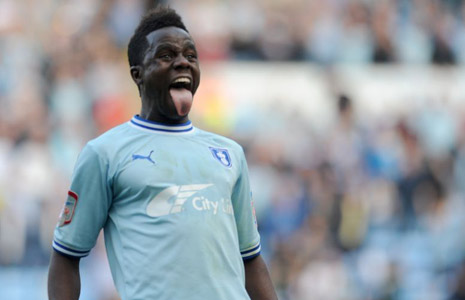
column 67, row 213
column 221, row 155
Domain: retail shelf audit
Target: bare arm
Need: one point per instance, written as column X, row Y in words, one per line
column 257, row 280
column 64, row 281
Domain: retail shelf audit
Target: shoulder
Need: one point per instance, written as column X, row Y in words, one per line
column 106, row 143
column 220, row 141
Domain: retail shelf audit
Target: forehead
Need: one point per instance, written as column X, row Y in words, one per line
column 169, row 35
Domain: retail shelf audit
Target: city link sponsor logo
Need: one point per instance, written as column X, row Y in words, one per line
column 172, row 199
column 203, row 204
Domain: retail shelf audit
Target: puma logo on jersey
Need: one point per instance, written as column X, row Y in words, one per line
column 171, row 199
column 148, row 157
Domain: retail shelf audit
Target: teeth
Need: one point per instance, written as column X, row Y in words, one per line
column 182, row 80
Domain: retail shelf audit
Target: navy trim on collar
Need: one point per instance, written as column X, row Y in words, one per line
column 155, row 126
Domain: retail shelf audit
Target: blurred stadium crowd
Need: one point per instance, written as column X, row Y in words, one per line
column 360, row 211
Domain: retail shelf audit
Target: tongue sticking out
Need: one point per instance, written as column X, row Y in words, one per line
column 182, row 99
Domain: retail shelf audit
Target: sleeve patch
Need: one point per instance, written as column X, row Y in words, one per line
column 254, row 214
column 67, row 212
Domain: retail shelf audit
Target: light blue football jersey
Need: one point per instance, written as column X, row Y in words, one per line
column 176, row 208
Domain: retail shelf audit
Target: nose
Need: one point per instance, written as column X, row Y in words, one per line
column 181, row 62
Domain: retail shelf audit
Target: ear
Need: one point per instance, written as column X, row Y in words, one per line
column 136, row 74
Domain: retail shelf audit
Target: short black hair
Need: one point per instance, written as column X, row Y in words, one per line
column 156, row 18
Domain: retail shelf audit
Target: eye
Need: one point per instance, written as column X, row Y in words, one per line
column 165, row 56
column 191, row 56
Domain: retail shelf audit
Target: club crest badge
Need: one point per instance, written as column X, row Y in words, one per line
column 221, row 155
column 67, row 213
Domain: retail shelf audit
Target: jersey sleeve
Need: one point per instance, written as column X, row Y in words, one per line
column 86, row 207
column 244, row 213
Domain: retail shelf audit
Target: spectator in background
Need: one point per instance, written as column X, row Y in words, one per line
column 459, row 286
column 383, row 20
column 441, row 38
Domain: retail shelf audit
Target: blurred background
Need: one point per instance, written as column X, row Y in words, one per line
column 351, row 113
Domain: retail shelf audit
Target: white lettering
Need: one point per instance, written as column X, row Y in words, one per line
column 195, row 203
column 202, row 203
column 227, row 206
column 215, row 207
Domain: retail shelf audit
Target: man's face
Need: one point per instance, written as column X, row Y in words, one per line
column 170, row 75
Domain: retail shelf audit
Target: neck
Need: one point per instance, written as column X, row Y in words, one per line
column 157, row 107
column 154, row 116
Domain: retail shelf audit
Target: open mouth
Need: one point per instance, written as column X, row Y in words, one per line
column 182, row 83
column 181, row 94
